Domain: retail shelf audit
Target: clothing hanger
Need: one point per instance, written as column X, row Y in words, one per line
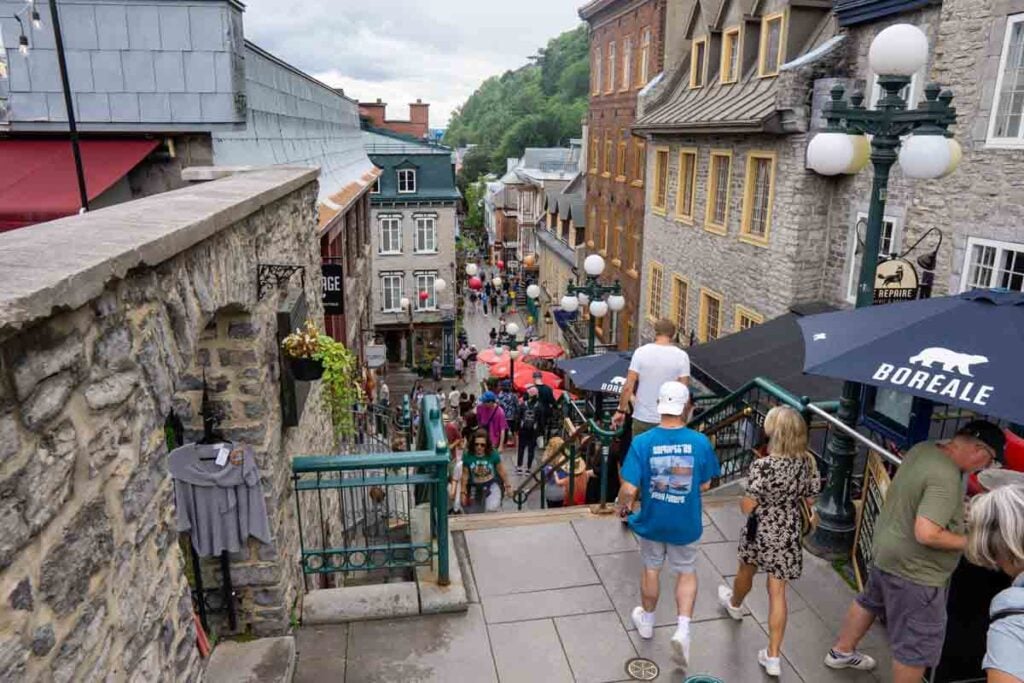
column 211, row 421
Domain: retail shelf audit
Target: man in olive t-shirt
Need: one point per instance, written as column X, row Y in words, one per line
column 919, row 537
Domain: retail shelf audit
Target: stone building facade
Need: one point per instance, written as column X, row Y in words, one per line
column 716, row 279
column 98, row 349
column 626, row 43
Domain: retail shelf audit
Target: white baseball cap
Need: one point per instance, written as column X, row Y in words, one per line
column 673, row 398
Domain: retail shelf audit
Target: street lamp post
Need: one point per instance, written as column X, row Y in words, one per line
column 510, row 339
column 896, row 54
column 592, row 294
column 406, row 305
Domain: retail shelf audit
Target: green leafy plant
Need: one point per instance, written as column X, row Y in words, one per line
column 342, row 390
column 303, row 342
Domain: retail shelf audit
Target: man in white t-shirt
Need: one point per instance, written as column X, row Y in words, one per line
column 652, row 365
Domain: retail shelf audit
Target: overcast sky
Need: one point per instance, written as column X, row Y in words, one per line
column 400, row 50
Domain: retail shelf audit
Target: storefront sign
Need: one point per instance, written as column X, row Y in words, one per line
column 376, row 355
column 876, row 484
column 333, row 288
column 895, row 280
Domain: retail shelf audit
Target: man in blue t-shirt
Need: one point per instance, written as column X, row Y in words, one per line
column 668, row 466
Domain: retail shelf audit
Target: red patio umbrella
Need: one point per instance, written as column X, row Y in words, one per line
column 524, row 379
column 500, row 367
column 490, row 357
column 544, row 349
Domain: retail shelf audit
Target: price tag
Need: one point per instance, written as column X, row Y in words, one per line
column 222, row 455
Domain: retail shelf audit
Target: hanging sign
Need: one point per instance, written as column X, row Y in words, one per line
column 333, row 288
column 895, row 280
column 376, row 355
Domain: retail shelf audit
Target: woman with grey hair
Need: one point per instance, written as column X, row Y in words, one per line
column 996, row 541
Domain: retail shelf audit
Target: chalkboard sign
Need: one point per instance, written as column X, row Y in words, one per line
column 291, row 315
column 876, row 485
column 333, row 288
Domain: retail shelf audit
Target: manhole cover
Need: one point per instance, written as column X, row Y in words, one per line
column 703, row 679
column 640, row 669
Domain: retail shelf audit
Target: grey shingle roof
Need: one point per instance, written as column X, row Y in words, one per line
column 746, row 106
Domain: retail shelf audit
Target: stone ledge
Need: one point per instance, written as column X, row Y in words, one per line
column 67, row 262
column 436, row 599
column 359, row 603
column 267, row 660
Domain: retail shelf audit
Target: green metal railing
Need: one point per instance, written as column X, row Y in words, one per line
column 356, row 513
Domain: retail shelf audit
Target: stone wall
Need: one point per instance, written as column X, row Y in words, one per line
column 99, row 343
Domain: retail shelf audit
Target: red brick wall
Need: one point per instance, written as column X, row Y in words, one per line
column 417, row 126
column 616, row 199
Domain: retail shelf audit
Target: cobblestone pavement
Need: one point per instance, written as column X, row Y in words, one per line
column 550, row 603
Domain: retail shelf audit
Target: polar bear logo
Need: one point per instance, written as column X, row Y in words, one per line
column 617, row 380
column 950, row 360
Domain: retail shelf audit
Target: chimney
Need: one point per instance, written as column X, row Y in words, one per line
column 419, row 117
column 374, row 111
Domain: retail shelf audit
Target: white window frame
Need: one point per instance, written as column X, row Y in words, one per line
column 421, row 247
column 427, row 277
column 1000, row 247
column 381, row 220
column 991, row 140
column 376, row 186
column 391, row 277
column 411, row 171
column 895, row 245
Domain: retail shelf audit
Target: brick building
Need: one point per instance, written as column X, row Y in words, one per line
column 626, row 38
column 416, row 126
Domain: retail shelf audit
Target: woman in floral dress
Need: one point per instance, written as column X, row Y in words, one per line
column 775, row 487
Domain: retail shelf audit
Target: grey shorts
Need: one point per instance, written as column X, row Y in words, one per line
column 914, row 616
column 682, row 559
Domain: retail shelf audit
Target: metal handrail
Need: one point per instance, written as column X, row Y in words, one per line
column 854, row 434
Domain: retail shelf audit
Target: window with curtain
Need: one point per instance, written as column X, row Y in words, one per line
column 687, row 184
column 1008, row 103
column 718, row 191
column 661, row 179
column 390, row 235
column 731, row 55
column 390, row 292
column 772, row 45
column 426, row 234
column 757, row 196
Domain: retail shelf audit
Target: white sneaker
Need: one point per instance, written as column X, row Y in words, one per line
column 681, row 648
column 645, row 630
column 854, row 660
column 725, row 600
column 771, row 665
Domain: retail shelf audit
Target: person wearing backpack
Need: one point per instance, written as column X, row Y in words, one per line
column 509, row 402
column 529, row 424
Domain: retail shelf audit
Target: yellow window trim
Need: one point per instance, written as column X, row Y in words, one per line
column 693, row 63
column 660, row 209
column 687, row 218
column 744, row 312
column 650, row 291
column 709, row 225
column 676, row 279
column 737, row 48
column 613, row 58
column 748, row 199
column 702, row 317
column 762, row 44
column 616, row 262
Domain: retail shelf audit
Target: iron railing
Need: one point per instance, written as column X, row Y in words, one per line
column 374, row 515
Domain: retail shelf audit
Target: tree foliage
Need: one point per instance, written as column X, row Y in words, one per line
column 541, row 104
column 474, row 198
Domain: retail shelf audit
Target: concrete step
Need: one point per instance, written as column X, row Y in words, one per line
column 267, row 660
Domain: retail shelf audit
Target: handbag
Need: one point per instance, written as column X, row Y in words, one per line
column 751, row 530
column 806, row 518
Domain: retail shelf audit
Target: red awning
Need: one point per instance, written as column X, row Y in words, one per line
column 38, row 181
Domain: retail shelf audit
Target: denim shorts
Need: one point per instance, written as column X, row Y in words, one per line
column 914, row 616
column 682, row 559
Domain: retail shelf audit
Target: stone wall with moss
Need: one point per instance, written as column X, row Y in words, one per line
column 109, row 322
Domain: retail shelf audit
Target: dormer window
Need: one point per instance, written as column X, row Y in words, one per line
column 376, row 186
column 406, row 180
column 698, row 62
column 772, row 49
column 731, row 55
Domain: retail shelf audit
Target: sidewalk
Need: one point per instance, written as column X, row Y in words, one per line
column 550, row 602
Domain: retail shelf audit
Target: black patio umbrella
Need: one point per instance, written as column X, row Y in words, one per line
column 604, row 372
column 965, row 350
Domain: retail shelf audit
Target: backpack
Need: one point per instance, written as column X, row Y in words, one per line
column 529, row 420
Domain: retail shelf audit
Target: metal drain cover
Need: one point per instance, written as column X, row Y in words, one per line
column 640, row 669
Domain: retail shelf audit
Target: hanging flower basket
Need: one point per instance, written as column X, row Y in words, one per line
column 306, row 369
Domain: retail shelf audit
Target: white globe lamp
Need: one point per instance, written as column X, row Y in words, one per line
column 569, row 304
column 830, row 153
column 598, row 309
column 404, row 302
column 956, row 153
column 899, row 50
column 440, row 285
column 498, row 350
column 512, row 329
column 472, row 269
column 861, row 154
column 533, row 291
column 616, row 302
column 496, row 282
column 593, row 265
column 514, row 353
column 925, row 156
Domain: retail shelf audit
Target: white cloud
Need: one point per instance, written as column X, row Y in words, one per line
column 400, row 50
